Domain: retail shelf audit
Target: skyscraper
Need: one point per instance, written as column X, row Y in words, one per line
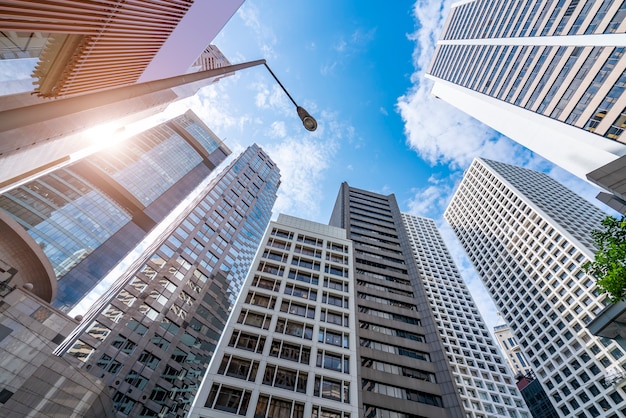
column 151, row 337
column 528, row 237
column 37, row 135
column 480, row 374
column 87, row 216
column 368, row 299
column 93, row 46
column 289, row 348
column 549, row 75
column 393, row 315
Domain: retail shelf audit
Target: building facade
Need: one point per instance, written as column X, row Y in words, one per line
column 557, row 68
column 151, row 337
column 289, row 348
column 528, row 237
column 87, row 216
column 512, row 351
column 485, row 385
column 89, row 47
column 38, row 136
column 402, row 364
column 32, row 379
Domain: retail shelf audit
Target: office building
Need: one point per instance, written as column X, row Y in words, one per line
column 533, row 393
column 393, row 315
column 512, row 351
column 557, row 69
column 88, row 215
column 535, row 397
column 93, row 46
column 379, row 351
column 32, row 379
column 528, row 237
column 289, row 347
column 38, row 136
column 151, row 337
column 484, row 384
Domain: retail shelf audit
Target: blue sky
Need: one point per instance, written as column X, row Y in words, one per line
column 358, row 68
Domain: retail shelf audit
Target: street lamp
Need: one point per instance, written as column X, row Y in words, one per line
column 42, row 122
column 101, row 106
column 309, row 122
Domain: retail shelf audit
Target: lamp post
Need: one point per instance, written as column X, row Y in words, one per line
column 43, row 123
column 308, row 121
column 91, row 105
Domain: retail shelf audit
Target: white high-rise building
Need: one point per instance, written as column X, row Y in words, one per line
column 484, row 384
column 514, row 356
column 289, row 347
column 528, row 237
column 548, row 74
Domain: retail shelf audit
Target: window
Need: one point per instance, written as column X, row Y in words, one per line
column 319, row 412
column 149, row 359
column 228, row 399
column 305, row 263
column 336, row 284
column 108, row 364
column 304, row 276
column 335, row 300
column 404, row 371
column 294, row 328
column 260, row 299
column 402, row 393
column 285, row 378
column 333, row 361
column 336, row 390
column 335, row 338
column 301, row 292
column 245, row 341
column 337, row 318
column 265, row 283
column 239, row 368
column 388, row 348
column 272, row 407
column 291, row 352
column 294, row 308
column 254, row 319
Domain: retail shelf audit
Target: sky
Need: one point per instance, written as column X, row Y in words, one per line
column 358, row 67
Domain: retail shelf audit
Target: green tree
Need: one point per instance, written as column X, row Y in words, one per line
column 609, row 266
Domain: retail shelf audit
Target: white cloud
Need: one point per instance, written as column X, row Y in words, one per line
column 429, row 201
column 278, row 129
column 302, row 162
column 265, row 37
column 328, row 68
column 340, row 46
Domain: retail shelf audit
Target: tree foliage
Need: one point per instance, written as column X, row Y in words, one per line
column 609, row 266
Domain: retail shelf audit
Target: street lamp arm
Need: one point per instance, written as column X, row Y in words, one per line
column 280, row 84
column 308, row 121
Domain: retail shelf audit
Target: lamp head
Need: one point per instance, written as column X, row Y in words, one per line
column 308, row 121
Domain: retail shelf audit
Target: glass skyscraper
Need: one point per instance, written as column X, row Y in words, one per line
column 88, row 215
column 151, row 337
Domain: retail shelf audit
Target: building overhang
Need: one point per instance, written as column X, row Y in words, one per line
column 612, row 177
column 20, row 251
column 610, row 322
